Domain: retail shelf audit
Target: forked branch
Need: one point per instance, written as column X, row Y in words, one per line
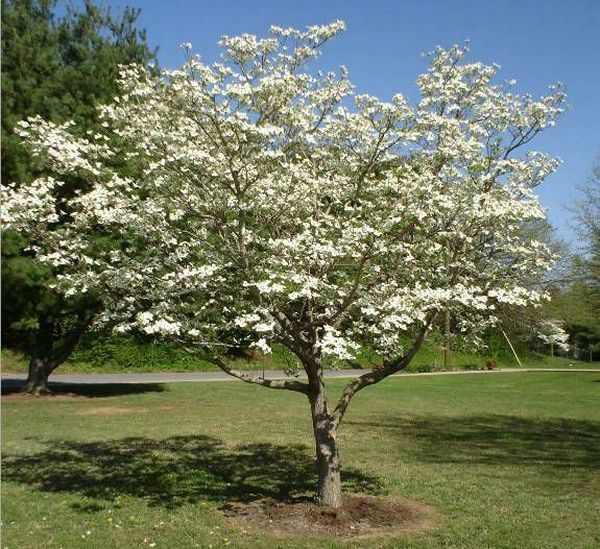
column 377, row 375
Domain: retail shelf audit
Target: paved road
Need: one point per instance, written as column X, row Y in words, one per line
column 166, row 377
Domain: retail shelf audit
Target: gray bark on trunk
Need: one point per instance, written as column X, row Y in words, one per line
column 37, row 377
column 329, row 490
column 49, row 353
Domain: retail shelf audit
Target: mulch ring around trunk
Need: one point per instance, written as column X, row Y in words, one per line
column 360, row 516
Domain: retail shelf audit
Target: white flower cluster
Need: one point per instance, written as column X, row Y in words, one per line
column 333, row 344
column 552, row 333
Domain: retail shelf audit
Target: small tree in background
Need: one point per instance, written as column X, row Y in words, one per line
column 277, row 205
column 553, row 334
column 522, row 325
column 61, row 69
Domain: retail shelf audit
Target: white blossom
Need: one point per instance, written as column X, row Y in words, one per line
column 553, row 333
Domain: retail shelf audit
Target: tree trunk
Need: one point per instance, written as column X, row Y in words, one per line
column 37, row 378
column 329, row 491
column 49, row 353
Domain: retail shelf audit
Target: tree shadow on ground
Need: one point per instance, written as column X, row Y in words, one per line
column 493, row 439
column 91, row 390
column 174, row 471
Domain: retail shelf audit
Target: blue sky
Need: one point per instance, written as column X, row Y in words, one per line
column 537, row 42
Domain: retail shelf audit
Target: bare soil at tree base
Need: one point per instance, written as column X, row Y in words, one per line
column 360, row 517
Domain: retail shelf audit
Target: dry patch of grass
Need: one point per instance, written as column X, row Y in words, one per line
column 110, row 411
column 119, row 410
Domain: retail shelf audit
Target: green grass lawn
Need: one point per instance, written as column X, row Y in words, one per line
column 508, row 460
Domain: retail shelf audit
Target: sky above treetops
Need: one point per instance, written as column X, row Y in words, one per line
column 536, row 43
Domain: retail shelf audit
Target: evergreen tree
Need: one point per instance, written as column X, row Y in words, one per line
column 59, row 68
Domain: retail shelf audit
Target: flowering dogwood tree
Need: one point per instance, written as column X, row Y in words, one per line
column 552, row 333
column 271, row 204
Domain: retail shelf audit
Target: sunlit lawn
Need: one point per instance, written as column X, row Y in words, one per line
column 508, row 460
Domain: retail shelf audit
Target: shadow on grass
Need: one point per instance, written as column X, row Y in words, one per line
column 174, row 471
column 493, row 439
column 92, row 390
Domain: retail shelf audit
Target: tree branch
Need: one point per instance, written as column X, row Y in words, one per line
column 376, row 376
column 287, row 384
column 66, row 349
